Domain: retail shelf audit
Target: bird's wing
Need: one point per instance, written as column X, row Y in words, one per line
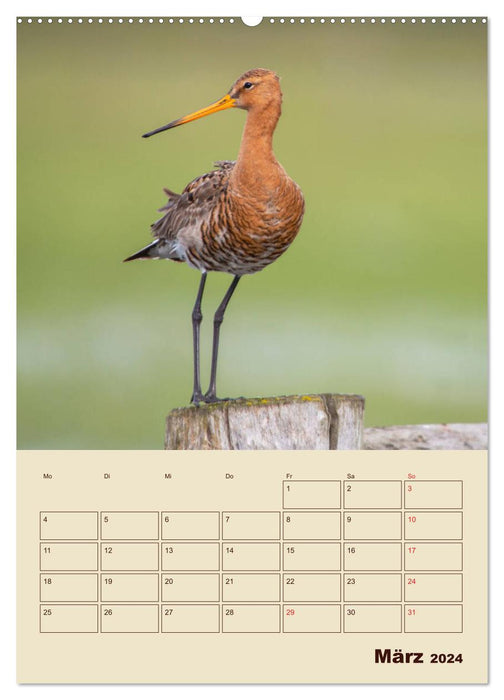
column 194, row 205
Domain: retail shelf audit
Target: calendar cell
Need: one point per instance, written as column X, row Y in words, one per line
column 375, row 556
column 372, row 526
column 311, row 526
column 251, row 618
column 129, row 618
column 68, row 587
column 251, row 525
column 426, row 556
column 250, row 587
column 129, row 587
column 372, row 618
column 311, row 494
column 190, row 618
column 432, row 526
column 372, row 494
column 65, row 525
column 361, row 588
column 312, row 556
column 190, row 556
column 247, row 556
column 433, row 587
column 312, row 618
column 433, row 618
column 312, row 587
column 187, row 525
column 69, row 618
column 130, row 556
column 69, row 556
column 433, row 494
column 134, row 525
column 190, row 587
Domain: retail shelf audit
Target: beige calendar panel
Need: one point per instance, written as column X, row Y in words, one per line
column 123, row 525
column 129, row 618
column 190, row 587
column 129, row 587
column 69, row 587
column 311, row 494
column 250, row 587
column 375, row 556
column 131, row 556
column 69, row 618
column 433, row 587
column 69, row 556
column 372, row 494
column 179, row 525
column 246, row 556
column 372, row 618
column 251, row 618
column 312, row 618
column 190, row 618
column 424, row 556
column 312, row 556
column 360, row 588
column 372, row 526
column 63, row 525
column 433, row 494
column 251, row 525
column 190, row 556
column 311, row 526
column 433, row 618
column 432, row 526
column 312, row 587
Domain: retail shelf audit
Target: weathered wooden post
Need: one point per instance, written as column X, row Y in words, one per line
column 305, row 422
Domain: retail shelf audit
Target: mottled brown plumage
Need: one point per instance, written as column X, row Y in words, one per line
column 239, row 217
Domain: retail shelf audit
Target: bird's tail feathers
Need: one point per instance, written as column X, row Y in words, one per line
column 149, row 252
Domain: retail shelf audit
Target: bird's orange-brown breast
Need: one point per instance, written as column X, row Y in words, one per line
column 249, row 230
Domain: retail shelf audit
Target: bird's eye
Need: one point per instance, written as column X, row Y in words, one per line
column 248, row 85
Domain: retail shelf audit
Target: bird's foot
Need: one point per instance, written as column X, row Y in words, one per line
column 210, row 397
column 197, row 398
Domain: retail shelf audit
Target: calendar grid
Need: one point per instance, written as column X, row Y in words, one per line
column 353, row 556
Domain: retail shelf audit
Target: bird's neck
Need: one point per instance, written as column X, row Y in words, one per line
column 256, row 165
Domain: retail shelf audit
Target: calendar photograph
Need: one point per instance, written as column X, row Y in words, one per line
column 236, row 237
column 252, row 350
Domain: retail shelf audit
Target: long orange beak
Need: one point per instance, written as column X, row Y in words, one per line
column 225, row 103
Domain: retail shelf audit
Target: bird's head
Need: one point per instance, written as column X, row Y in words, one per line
column 256, row 89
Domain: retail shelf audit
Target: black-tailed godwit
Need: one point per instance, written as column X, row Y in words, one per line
column 238, row 218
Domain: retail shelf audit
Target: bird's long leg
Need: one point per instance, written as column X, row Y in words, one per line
column 211, row 396
column 197, row 317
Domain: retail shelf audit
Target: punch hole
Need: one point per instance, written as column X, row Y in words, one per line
column 251, row 21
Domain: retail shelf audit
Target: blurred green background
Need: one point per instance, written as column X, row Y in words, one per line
column 383, row 293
